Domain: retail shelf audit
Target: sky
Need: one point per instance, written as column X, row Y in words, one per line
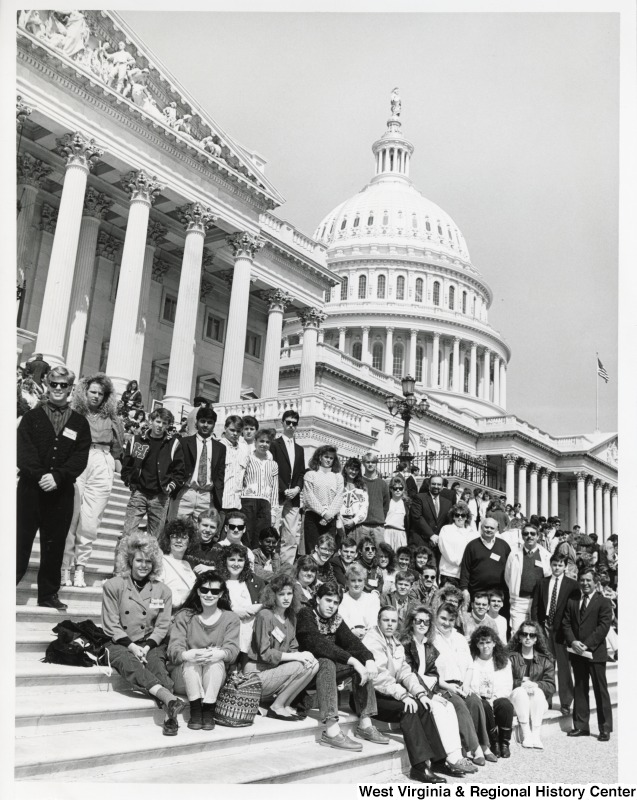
column 514, row 120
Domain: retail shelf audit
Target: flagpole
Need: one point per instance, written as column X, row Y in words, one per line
column 596, row 393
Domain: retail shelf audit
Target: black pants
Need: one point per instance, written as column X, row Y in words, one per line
column 584, row 671
column 498, row 715
column 418, row 727
column 312, row 529
column 259, row 517
column 50, row 513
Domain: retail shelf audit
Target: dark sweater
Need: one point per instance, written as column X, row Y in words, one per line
column 478, row 570
column 378, row 493
column 338, row 646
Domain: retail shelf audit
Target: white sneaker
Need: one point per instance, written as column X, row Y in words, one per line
column 537, row 742
column 78, row 578
column 66, row 578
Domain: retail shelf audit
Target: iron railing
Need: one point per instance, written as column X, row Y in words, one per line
column 458, row 465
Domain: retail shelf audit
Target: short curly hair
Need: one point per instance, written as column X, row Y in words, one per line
column 500, row 655
column 177, row 525
column 129, row 545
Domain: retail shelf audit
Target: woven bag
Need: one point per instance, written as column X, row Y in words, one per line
column 238, row 701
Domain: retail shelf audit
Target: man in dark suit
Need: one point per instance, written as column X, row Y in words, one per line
column 205, row 465
column 427, row 515
column 550, row 597
column 290, row 459
column 586, row 624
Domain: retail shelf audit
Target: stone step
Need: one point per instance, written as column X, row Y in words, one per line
column 90, row 597
column 34, row 678
column 32, row 615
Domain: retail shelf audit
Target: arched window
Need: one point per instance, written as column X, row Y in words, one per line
column 344, row 287
column 357, row 219
column 357, row 350
column 362, row 287
column 332, row 227
column 450, row 375
column 452, row 297
column 464, row 302
column 370, row 219
column 419, row 358
column 414, row 222
column 436, row 293
column 419, row 285
column 474, row 306
column 377, row 355
column 380, row 289
column 439, row 230
column 427, row 225
column 343, row 223
column 399, row 360
column 400, row 288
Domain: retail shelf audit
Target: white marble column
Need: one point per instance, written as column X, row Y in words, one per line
column 456, row 385
column 510, row 460
column 80, row 153
column 590, row 505
column 462, row 370
column 496, row 380
column 366, row 356
column 141, row 189
column 389, row 352
column 522, row 484
column 196, row 219
column 572, row 505
column 599, row 511
column 581, row 501
column 96, row 205
column 244, row 247
column 341, row 339
column 31, row 173
column 544, row 493
column 486, row 372
column 555, row 505
column 435, row 362
column 503, row 385
column 35, row 297
column 613, row 507
column 607, row 515
column 155, row 236
column 473, row 371
column 277, row 300
column 311, row 319
column 412, row 353
column 533, row 489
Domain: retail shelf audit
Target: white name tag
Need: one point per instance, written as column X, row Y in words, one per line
column 156, row 602
column 69, row 433
column 278, row 634
column 372, row 581
column 495, row 556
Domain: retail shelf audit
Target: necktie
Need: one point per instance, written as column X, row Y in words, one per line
column 584, row 606
column 553, row 605
column 202, row 475
column 436, row 505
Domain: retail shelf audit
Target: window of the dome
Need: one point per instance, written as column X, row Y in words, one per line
column 439, row 230
column 419, row 285
column 464, row 302
column 436, row 293
column 474, row 306
column 419, row 359
column 370, row 219
column 414, row 221
column 385, row 218
column 451, row 372
column 362, row 287
column 344, row 287
column 398, row 360
column 332, row 227
column 343, row 223
column 452, row 297
column 380, row 287
column 400, row 288
column 357, row 351
column 357, row 219
column 377, row 355
column 323, row 231
column 427, row 225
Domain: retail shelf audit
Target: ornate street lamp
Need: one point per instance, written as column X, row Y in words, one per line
column 407, row 407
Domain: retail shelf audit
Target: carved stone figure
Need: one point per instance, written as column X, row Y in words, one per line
column 121, row 62
column 209, row 145
column 396, row 103
column 184, row 125
column 77, row 34
column 170, row 114
column 31, row 21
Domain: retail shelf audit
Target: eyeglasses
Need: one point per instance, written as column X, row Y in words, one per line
column 369, row 549
column 429, row 577
column 525, row 635
column 292, row 422
column 178, row 535
column 236, row 527
column 421, row 623
column 459, row 516
column 59, row 385
column 397, row 488
column 526, row 534
column 208, row 590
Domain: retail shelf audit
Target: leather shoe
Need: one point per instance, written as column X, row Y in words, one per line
column 53, row 602
column 505, row 750
column 578, row 732
column 604, row 736
column 283, row 717
column 170, row 727
column 425, row 775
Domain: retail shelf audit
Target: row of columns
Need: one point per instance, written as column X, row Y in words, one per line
column 479, row 381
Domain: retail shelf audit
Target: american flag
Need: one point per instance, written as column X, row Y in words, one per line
column 601, row 371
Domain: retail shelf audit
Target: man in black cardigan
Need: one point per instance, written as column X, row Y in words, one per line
column 53, row 448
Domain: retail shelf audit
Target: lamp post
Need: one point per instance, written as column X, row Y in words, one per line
column 406, row 407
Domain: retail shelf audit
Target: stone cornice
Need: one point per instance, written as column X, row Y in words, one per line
column 277, row 257
column 284, row 254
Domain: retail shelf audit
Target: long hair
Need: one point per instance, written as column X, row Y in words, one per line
column 178, row 525
column 540, row 646
column 446, row 591
column 500, row 655
column 407, row 629
column 277, row 584
column 235, row 550
column 305, row 562
column 386, row 549
column 193, row 601
column 127, row 548
column 79, row 403
column 358, row 481
column 315, row 461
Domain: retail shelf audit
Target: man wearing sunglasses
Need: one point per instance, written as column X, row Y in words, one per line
column 290, row 459
column 53, row 448
column 525, row 568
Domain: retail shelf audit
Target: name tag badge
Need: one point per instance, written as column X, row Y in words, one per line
column 538, row 564
column 278, row 634
column 494, row 556
column 372, row 581
column 156, row 602
column 69, row 434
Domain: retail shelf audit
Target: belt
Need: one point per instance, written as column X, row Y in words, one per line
column 99, row 446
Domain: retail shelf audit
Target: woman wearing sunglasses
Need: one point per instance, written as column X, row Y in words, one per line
column 533, row 681
column 397, row 518
column 452, row 542
column 204, row 641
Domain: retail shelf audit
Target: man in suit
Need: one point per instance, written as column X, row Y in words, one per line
column 550, row 597
column 427, row 515
column 290, row 459
column 205, row 469
column 586, row 624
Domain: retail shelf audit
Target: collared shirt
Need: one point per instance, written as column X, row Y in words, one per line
column 236, row 462
column 490, row 545
column 289, row 444
column 58, row 416
column 199, row 440
column 590, row 597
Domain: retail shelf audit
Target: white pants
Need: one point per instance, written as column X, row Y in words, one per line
column 191, row 502
column 447, row 724
column 520, row 611
column 204, row 680
column 529, row 708
column 92, row 490
column 290, row 532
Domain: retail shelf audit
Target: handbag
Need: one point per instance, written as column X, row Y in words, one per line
column 79, row 644
column 238, row 701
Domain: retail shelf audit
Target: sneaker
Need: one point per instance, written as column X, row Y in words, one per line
column 371, row 734
column 340, row 742
column 78, row 578
column 462, row 767
column 52, row 602
column 170, row 727
column 66, row 578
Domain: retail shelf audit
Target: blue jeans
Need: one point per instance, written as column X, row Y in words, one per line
column 328, row 677
column 142, row 504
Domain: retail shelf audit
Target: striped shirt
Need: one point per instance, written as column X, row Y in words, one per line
column 261, row 480
column 236, row 463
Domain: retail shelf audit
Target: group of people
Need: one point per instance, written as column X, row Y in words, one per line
column 447, row 615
